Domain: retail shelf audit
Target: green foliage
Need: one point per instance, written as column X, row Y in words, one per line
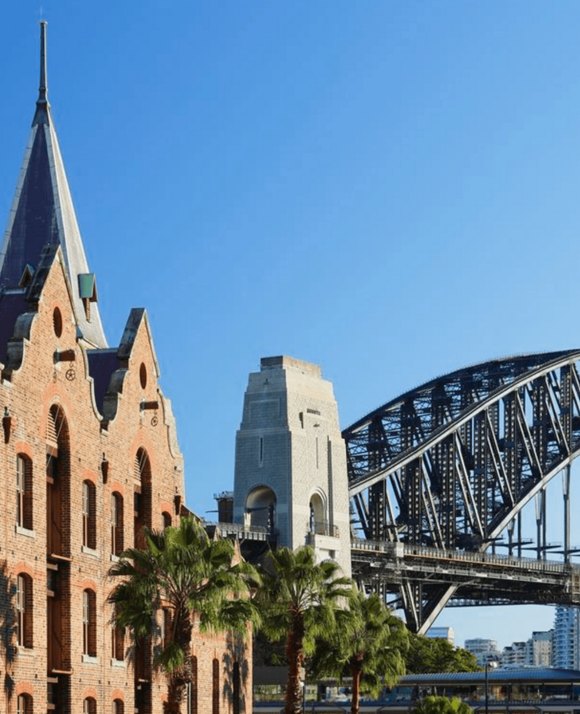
column 368, row 644
column 427, row 655
column 299, row 601
column 441, row 705
column 368, row 638
column 192, row 578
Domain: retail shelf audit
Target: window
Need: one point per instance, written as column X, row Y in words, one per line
column 236, row 688
column 118, row 643
column 215, row 687
column 118, row 707
column 166, row 517
column 166, row 625
column 89, row 623
column 116, row 524
column 89, row 515
column 24, row 704
column 23, row 492
column 24, row 610
column 89, row 706
column 194, row 685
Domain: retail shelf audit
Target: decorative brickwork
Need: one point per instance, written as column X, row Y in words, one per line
column 89, row 456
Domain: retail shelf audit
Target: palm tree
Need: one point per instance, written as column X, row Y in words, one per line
column 369, row 645
column 191, row 578
column 299, row 599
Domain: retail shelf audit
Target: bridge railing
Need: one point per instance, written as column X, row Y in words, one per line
column 401, row 550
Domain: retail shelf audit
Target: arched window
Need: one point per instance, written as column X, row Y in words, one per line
column 166, row 517
column 89, row 515
column 24, row 610
column 89, row 706
column 117, row 543
column 24, row 492
column 118, row 643
column 24, row 704
column 57, row 483
column 261, row 507
column 318, row 522
column 118, row 706
column 89, row 623
column 193, row 701
column 215, row 687
column 142, row 496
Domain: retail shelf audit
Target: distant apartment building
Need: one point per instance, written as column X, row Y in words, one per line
column 539, row 649
column 442, row 633
column 514, row 655
column 484, row 650
column 566, row 638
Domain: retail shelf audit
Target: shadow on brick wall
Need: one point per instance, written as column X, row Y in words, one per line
column 8, row 626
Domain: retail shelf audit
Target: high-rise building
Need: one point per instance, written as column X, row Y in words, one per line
column 441, row 633
column 89, row 458
column 566, row 638
column 514, row 655
column 483, row 649
column 539, row 649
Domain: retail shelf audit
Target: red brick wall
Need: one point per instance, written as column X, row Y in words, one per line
column 28, row 390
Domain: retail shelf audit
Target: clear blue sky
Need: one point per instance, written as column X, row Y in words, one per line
column 389, row 189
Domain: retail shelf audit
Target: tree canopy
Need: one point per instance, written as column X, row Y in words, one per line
column 368, row 644
column 441, row 705
column 299, row 600
column 179, row 578
column 427, row 655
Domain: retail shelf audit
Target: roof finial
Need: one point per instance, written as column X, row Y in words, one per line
column 41, row 115
column 43, row 89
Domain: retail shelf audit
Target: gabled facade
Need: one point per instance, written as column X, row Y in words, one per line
column 89, row 456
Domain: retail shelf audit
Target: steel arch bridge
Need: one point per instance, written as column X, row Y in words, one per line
column 439, row 476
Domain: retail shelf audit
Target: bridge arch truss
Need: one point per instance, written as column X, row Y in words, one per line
column 449, row 466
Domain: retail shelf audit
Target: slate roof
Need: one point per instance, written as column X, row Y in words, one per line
column 43, row 214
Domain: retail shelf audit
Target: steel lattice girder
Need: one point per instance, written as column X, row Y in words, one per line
column 452, row 463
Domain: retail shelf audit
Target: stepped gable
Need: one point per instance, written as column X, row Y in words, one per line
column 43, row 215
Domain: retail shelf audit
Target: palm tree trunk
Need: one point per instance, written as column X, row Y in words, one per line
column 295, row 655
column 174, row 697
column 356, row 672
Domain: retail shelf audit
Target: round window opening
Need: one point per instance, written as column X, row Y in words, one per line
column 57, row 322
column 143, row 375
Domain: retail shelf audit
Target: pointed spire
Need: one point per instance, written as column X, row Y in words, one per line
column 43, row 216
column 41, row 116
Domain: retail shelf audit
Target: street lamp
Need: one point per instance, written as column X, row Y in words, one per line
column 488, row 665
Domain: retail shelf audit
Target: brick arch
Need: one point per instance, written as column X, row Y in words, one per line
column 87, row 584
column 22, row 447
column 54, row 397
column 91, row 476
column 118, row 694
column 24, row 688
column 89, row 692
column 142, row 441
column 117, row 487
column 23, row 568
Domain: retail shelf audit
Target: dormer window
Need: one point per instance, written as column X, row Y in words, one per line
column 88, row 291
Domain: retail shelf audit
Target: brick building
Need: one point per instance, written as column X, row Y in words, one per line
column 88, row 455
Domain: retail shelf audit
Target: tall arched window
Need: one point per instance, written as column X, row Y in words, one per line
column 57, row 483
column 193, row 693
column 118, row 643
column 89, row 623
column 117, row 543
column 89, row 515
column 89, row 706
column 24, row 492
column 261, row 507
column 24, row 610
column 215, row 687
column 24, row 704
column 118, row 706
column 142, row 480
